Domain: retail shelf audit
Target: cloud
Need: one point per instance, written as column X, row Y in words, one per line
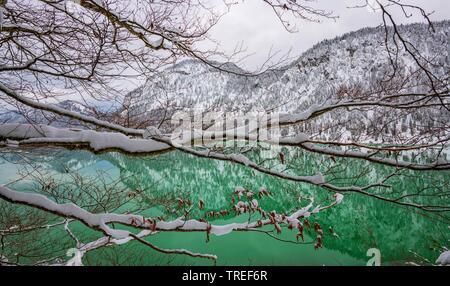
column 255, row 25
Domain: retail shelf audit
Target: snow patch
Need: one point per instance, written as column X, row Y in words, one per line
column 339, row 197
column 444, row 258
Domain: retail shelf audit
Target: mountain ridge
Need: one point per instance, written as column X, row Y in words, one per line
column 354, row 60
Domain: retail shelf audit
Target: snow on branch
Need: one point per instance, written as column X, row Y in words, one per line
column 98, row 141
column 64, row 112
column 316, row 110
column 149, row 226
column 444, row 258
column 70, row 210
column 439, row 164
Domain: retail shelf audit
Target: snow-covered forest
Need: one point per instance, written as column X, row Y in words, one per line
column 332, row 152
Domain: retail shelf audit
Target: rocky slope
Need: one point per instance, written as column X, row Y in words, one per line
column 352, row 62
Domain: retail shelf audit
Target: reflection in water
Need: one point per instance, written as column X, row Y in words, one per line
column 360, row 222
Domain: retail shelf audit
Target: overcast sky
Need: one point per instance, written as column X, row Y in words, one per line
column 255, row 24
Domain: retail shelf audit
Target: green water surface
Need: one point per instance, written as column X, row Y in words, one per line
column 401, row 234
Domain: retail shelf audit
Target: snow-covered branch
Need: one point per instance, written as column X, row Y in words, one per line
column 149, row 226
column 36, row 135
column 61, row 111
column 43, row 135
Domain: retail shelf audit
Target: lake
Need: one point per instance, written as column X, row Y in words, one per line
column 150, row 186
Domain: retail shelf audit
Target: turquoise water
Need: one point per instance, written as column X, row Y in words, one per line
column 151, row 185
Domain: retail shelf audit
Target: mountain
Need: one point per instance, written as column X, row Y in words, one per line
column 37, row 116
column 327, row 72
